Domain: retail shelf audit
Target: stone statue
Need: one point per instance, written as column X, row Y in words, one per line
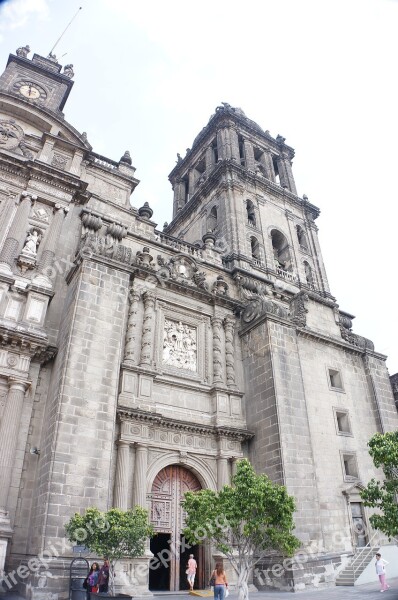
column 23, row 51
column 179, row 159
column 68, row 71
column 31, row 243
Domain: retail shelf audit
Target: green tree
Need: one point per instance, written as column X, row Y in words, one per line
column 114, row 534
column 244, row 522
column 383, row 448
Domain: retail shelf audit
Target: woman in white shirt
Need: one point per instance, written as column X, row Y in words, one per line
column 381, row 572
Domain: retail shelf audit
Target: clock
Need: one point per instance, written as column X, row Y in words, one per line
column 30, row 90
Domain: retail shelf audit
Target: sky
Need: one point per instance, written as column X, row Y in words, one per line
column 149, row 74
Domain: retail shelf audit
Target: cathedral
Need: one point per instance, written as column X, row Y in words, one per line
column 139, row 363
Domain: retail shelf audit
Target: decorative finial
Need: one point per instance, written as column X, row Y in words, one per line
column 145, row 211
column 126, row 158
column 280, row 139
column 305, row 197
column 84, row 136
column 68, row 71
column 165, row 225
column 52, row 57
column 23, row 51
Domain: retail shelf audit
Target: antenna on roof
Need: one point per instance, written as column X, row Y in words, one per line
column 68, row 25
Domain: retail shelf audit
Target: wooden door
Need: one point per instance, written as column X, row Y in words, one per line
column 167, row 516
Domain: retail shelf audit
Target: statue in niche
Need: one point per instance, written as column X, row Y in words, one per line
column 31, row 243
column 179, row 345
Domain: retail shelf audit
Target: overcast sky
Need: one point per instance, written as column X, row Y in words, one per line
column 323, row 74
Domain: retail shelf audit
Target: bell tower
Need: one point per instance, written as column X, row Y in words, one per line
column 235, row 186
column 38, row 81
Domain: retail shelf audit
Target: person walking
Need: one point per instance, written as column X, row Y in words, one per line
column 220, row 582
column 381, row 572
column 191, row 571
column 103, row 577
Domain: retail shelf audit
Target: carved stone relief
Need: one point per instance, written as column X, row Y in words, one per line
column 179, row 345
column 59, row 161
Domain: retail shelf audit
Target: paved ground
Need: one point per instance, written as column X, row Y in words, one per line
column 368, row 591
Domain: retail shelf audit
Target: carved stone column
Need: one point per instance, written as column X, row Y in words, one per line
column 222, row 472
column 121, row 490
column 249, row 155
column 266, row 161
column 131, row 335
column 50, row 246
column 229, row 326
column 286, row 174
column 141, row 463
column 147, row 327
column 234, row 141
column 216, row 323
column 210, row 161
column 17, row 232
column 9, row 427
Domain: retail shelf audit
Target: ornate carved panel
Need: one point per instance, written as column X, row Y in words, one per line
column 179, row 345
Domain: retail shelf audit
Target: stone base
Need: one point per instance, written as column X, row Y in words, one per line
column 300, row 572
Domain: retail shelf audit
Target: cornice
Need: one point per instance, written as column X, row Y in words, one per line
column 228, row 117
column 127, row 414
column 231, row 166
column 28, row 343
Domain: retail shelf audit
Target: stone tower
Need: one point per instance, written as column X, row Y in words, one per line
column 236, row 188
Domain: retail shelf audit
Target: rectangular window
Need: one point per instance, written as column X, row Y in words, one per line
column 350, row 468
column 335, row 379
column 342, row 422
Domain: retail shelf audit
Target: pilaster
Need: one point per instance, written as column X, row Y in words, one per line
column 149, row 298
column 17, row 231
column 121, row 490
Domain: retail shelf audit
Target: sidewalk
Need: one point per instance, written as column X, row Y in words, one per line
column 368, row 591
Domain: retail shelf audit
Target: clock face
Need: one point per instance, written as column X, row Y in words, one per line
column 30, row 90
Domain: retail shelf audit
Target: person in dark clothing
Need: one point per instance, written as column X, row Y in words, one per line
column 91, row 581
column 103, row 577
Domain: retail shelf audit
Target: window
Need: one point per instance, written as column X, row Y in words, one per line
column 302, row 238
column 255, row 248
column 342, row 422
column 335, row 379
column 281, row 251
column 212, row 220
column 350, row 468
column 251, row 215
column 308, row 274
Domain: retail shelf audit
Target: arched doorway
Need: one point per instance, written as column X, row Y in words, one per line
column 171, row 553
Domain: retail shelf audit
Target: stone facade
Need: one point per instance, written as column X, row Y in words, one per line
column 139, row 363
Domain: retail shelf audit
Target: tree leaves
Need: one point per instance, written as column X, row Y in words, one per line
column 245, row 521
column 383, row 448
column 115, row 534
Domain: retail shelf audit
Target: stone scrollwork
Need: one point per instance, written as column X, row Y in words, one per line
column 258, row 306
column 100, row 245
column 179, row 345
column 298, row 310
column 356, row 340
